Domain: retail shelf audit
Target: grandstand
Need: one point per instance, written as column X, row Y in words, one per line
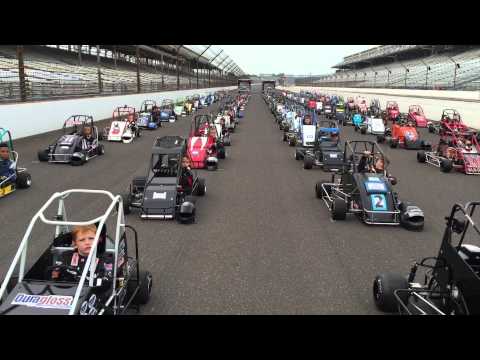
column 62, row 71
column 407, row 66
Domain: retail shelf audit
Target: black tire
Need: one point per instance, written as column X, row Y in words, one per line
column 24, row 180
column 201, row 187
column 100, row 150
column 307, row 163
column 284, row 137
column 318, row 190
column 43, row 155
column 363, row 130
column 143, row 295
column 77, row 162
column 384, row 287
column 212, row 167
column 126, row 203
column 394, row 143
column 431, row 129
column 339, row 209
column 100, row 137
column 446, row 165
column 292, row 142
column 380, row 139
column 421, row 157
column 298, row 155
column 221, row 153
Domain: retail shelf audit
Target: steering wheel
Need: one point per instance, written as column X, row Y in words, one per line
column 60, row 269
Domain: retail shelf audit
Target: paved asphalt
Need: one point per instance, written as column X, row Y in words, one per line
column 263, row 243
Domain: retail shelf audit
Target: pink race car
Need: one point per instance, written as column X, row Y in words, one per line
column 416, row 115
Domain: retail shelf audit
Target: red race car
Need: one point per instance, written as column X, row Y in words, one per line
column 392, row 111
column 416, row 114
column 458, row 150
column 361, row 105
column 404, row 134
column 450, row 121
column 203, row 148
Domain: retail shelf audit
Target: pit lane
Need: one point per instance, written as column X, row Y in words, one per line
column 263, row 243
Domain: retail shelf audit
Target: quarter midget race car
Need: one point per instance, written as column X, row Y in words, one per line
column 451, row 280
column 11, row 175
column 78, row 144
column 417, row 116
column 203, row 147
column 391, row 112
column 405, row 135
column 450, row 121
column 106, row 281
column 326, row 152
column 166, row 191
column 167, row 113
column 363, row 187
column 375, row 126
column 124, row 126
column 455, row 150
column 149, row 115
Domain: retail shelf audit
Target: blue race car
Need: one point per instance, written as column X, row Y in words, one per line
column 149, row 115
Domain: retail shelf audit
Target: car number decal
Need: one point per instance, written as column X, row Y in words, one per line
column 379, row 202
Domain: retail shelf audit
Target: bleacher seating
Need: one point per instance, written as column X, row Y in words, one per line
column 440, row 75
column 53, row 72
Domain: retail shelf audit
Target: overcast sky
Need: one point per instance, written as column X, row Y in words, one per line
column 290, row 59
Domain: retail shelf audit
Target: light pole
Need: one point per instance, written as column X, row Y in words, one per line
column 426, row 74
column 457, row 66
column 388, row 76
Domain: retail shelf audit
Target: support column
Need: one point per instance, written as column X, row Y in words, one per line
column 100, row 85
column 137, row 55
column 21, row 73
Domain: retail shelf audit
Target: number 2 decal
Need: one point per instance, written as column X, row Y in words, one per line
column 379, row 202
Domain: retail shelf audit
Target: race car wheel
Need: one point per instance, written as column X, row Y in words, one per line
column 307, row 163
column 355, row 128
column 339, row 209
column 318, row 190
column 24, row 180
column 394, row 143
column 380, row 139
column 421, row 156
column 145, row 289
column 43, row 155
column 446, row 165
column 431, row 129
column 212, row 167
column 201, row 187
column 292, row 142
column 426, row 145
column 363, row 130
column 227, row 141
column 139, row 132
column 384, row 287
column 221, row 153
column 284, row 137
column 298, row 155
column 100, row 150
column 126, row 203
column 77, row 162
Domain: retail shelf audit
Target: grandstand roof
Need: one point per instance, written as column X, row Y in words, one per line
column 385, row 53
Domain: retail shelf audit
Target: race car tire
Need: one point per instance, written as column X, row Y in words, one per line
column 100, row 150
column 221, row 153
column 100, row 137
column 145, row 289
column 384, row 287
column 394, row 143
column 318, row 190
column 284, row 137
column 77, row 162
column 426, row 145
column 363, row 130
column 24, row 180
column 355, row 128
column 139, row 133
column 126, row 203
column 227, row 141
column 307, row 163
column 411, row 224
column 292, row 142
column 43, row 155
column 431, row 129
column 339, row 209
column 298, row 155
column 421, row 157
column 201, row 187
column 380, row 139
column 446, row 165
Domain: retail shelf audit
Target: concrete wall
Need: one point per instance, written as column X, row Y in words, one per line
column 432, row 101
column 26, row 119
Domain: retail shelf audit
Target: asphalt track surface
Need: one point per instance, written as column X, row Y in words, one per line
column 263, row 243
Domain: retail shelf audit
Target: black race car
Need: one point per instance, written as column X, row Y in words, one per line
column 78, row 144
column 451, row 284
column 327, row 152
column 363, row 187
column 166, row 192
column 116, row 286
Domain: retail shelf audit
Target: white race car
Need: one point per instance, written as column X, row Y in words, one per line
column 374, row 126
column 123, row 127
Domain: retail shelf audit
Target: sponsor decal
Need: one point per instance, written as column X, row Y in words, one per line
column 92, row 300
column 44, row 301
column 84, row 308
column 375, row 186
column 161, row 196
column 379, row 202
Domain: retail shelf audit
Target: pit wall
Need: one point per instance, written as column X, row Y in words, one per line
column 432, row 101
column 27, row 119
